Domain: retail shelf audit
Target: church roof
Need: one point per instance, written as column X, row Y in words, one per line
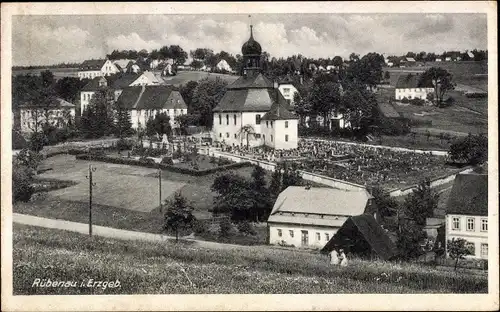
column 251, row 47
column 251, row 81
column 279, row 112
column 250, row 100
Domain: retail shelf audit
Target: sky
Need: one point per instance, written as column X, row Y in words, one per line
column 53, row 39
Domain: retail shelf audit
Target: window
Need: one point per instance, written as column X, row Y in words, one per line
column 318, row 236
column 271, row 137
column 235, row 136
column 484, row 225
column 280, row 233
column 286, row 124
column 257, row 119
column 234, row 119
column 227, row 120
column 455, row 224
column 220, row 135
column 291, row 233
column 267, row 123
column 264, row 137
column 286, row 137
column 471, row 247
column 327, row 237
column 257, row 135
column 227, row 134
column 271, row 123
column 220, row 119
column 470, row 224
column 484, row 250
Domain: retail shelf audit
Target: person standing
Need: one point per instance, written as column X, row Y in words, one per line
column 344, row 258
column 334, row 257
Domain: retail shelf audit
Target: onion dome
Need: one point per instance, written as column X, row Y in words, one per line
column 251, row 47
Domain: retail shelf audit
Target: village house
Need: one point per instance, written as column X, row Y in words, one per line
column 363, row 237
column 241, row 113
column 410, row 87
column 88, row 91
column 467, row 213
column 223, row 66
column 146, row 78
column 58, row 113
column 146, row 102
column 122, row 64
column 309, row 217
column 288, row 90
column 90, row 69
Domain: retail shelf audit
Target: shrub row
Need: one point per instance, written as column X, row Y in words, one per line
column 476, row 94
column 148, row 164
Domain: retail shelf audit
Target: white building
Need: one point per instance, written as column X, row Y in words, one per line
column 288, row 90
column 409, row 86
column 251, row 101
column 310, row 217
column 439, row 59
column 122, row 64
column 88, row 91
column 96, row 68
column 58, row 114
column 223, row 65
column 146, row 102
column 146, row 78
column 467, row 213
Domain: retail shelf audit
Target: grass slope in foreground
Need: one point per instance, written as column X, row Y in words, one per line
column 169, row 268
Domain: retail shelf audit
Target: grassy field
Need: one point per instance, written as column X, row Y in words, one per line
column 183, row 77
column 169, row 268
column 58, row 72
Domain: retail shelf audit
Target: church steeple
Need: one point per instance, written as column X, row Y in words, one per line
column 251, row 51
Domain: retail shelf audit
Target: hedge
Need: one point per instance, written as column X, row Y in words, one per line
column 133, row 162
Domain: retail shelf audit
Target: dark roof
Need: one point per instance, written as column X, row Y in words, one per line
column 251, row 81
column 93, row 84
column 251, row 47
column 55, row 103
column 469, row 195
column 92, row 64
column 372, row 233
column 388, row 110
column 279, row 112
column 125, row 80
column 250, row 100
column 151, row 97
column 411, row 81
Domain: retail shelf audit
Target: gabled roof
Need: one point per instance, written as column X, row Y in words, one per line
column 279, row 112
column 249, row 100
column 410, row 59
column 122, row 63
column 92, row 64
column 55, row 102
column 151, row 97
column 411, row 81
column 125, row 80
column 322, row 200
column 367, row 227
column 250, row 82
column 93, row 85
column 469, row 195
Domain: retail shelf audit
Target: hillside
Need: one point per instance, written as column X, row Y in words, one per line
column 183, row 77
column 168, row 268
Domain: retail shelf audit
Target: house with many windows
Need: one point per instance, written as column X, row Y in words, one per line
column 90, row 69
column 254, row 109
column 57, row 113
column 309, row 217
column 288, row 90
column 146, row 102
column 467, row 213
column 88, row 91
column 410, row 87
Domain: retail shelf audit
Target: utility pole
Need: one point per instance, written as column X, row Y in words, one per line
column 159, row 188
column 91, row 185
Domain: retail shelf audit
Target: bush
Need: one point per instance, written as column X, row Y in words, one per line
column 225, row 227
column 199, row 227
column 123, row 145
column 22, row 188
column 476, row 94
column 405, row 100
column 167, row 161
column 447, row 103
column 417, row 102
column 246, row 228
column 389, row 126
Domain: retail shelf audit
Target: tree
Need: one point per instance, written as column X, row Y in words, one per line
column 457, row 249
column 123, row 122
column 472, row 150
column 201, row 54
column 359, row 106
column 276, row 184
column 421, row 203
column 387, row 75
column 325, row 98
column 410, row 237
column 37, row 141
column 22, row 179
column 385, row 204
column 263, row 196
column 177, row 54
column 440, row 78
column 161, row 124
column 179, row 215
column 337, row 61
column 187, row 92
column 69, row 88
column 245, row 132
column 196, row 64
column 98, row 117
column 206, row 96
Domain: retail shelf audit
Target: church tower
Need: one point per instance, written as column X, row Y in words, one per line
column 251, row 51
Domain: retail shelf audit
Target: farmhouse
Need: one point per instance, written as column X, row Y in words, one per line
column 239, row 116
column 88, row 91
column 310, row 217
column 287, row 89
column 146, row 102
column 130, row 80
column 58, row 113
column 362, row 236
column 96, row 68
column 410, row 87
column 467, row 212
column 223, row 66
column 122, row 64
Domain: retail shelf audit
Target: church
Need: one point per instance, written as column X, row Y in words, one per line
column 253, row 111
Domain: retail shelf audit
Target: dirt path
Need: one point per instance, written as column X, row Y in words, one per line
column 103, row 231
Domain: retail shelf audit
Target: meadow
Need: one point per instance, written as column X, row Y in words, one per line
column 170, row 268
